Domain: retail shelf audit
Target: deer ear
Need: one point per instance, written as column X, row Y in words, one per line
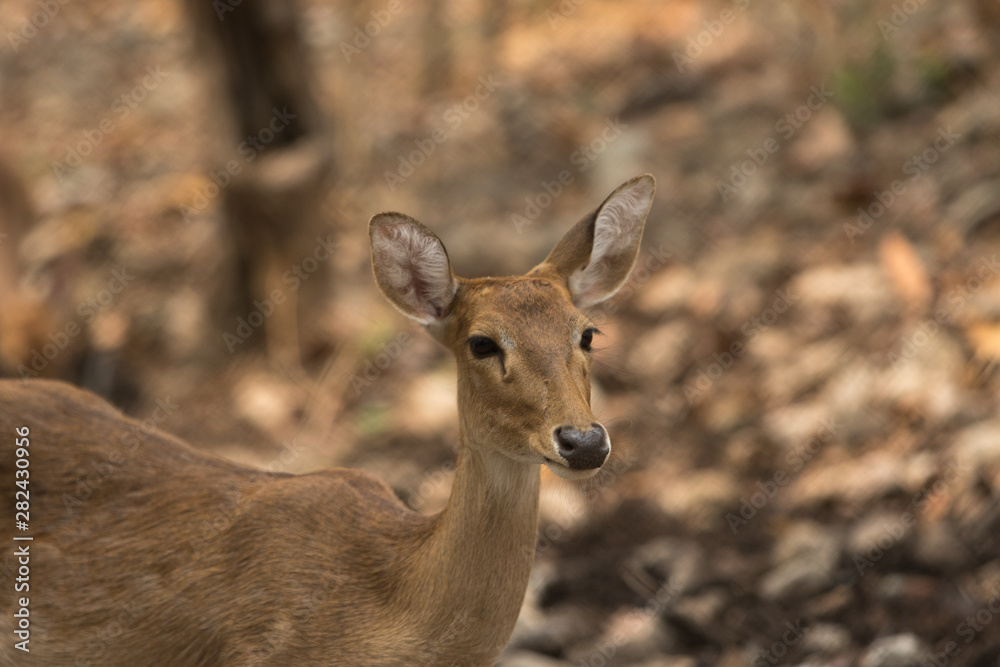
column 412, row 267
column 596, row 256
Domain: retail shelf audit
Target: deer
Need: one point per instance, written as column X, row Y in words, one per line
column 144, row 550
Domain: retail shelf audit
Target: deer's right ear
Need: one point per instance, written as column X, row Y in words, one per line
column 412, row 267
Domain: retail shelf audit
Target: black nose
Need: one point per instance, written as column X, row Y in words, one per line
column 583, row 450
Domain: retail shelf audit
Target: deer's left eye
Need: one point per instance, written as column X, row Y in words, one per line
column 483, row 347
column 587, row 338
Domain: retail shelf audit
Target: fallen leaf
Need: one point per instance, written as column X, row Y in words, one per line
column 906, row 271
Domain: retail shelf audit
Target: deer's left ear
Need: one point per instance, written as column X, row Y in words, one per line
column 596, row 256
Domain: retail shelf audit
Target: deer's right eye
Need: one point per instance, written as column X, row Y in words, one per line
column 483, row 347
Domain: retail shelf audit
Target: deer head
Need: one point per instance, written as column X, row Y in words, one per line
column 522, row 343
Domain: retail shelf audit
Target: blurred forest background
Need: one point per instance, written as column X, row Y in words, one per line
column 800, row 378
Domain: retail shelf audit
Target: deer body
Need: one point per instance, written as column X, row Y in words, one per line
column 149, row 552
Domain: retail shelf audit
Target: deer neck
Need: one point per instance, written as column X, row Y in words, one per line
column 471, row 573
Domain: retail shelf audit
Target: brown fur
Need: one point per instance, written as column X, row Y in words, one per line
column 149, row 552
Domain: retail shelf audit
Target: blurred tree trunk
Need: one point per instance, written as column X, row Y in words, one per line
column 495, row 22
column 23, row 322
column 436, row 48
column 34, row 318
column 280, row 169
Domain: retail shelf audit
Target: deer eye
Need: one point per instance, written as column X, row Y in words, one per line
column 587, row 338
column 483, row 347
